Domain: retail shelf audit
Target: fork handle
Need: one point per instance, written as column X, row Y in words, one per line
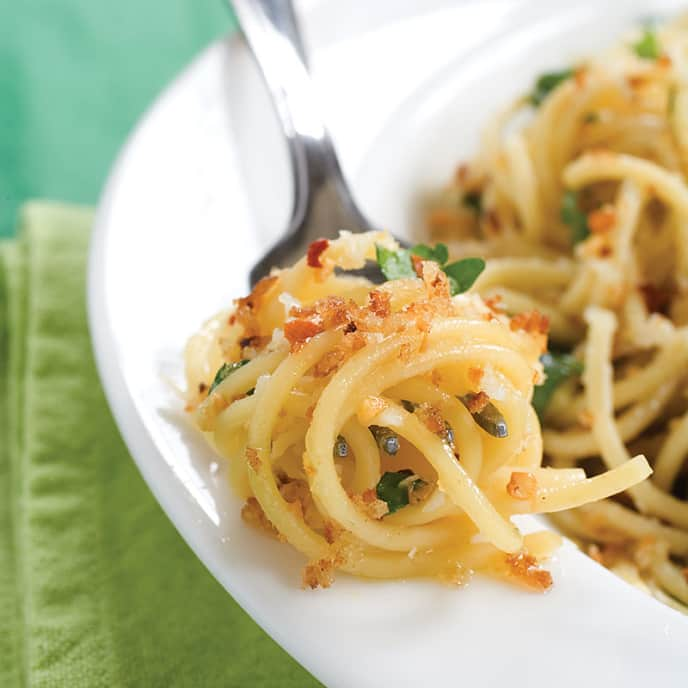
column 272, row 33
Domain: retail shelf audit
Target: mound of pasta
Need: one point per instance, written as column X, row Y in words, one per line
column 386, row 430
column 582, row 215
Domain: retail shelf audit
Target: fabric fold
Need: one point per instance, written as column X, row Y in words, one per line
column 11, row 628
column 99, row 589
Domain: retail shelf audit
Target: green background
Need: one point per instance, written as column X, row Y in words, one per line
column 75, row 75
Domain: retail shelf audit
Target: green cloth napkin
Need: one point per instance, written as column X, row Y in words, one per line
column 96, row 586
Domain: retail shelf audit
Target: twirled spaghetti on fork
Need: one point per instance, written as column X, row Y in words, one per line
column 387, row 430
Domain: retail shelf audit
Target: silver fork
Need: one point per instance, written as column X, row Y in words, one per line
column 323, row 203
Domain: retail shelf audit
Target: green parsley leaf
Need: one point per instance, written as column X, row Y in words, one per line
column 547, row 83
column 463, row 273
column 474, row 201
column 397, row 265
column 438, row 253
column 558, row 368
column 648, row 47
column 394, row 488
column 226, row 369
column 574, row 217
column 394, row 264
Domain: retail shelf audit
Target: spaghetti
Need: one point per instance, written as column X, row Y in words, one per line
column 386, row 431
column 582, row 214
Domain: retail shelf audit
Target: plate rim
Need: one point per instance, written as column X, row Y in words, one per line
column 132, row 428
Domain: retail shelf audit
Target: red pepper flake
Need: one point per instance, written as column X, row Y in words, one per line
column 315, row 250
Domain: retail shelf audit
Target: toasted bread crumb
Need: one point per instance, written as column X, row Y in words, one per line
column 253, row 459
column 298, row 332
column 318, row 574
column 380, row 303
column 253, row 514
column 475, row 375
column 370, row 408
column 532, row 322
column 525, row 568
column 602, row 220
column 332, row 531
column 431, row 418
column 370, row 505
column 585, row 419
column 522, row 485
column 475, row 403
column 247, row 307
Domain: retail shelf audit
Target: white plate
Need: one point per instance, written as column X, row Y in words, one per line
column 196, row 195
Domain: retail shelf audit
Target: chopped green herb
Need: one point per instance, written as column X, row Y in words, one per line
column 489, row 418
column 547, row 83
column 474, row 201
column 591, row 117
column 648, row 47
column 394, row 487
column 558, row 368
column 226, row 369
column 386, row 439
column 463, row 273
column 394, row 264
column 439, row 253
column 251, row 392
column 397, row 265
column 574, row 217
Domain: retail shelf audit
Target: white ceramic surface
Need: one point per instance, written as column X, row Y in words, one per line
column 198, row 192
